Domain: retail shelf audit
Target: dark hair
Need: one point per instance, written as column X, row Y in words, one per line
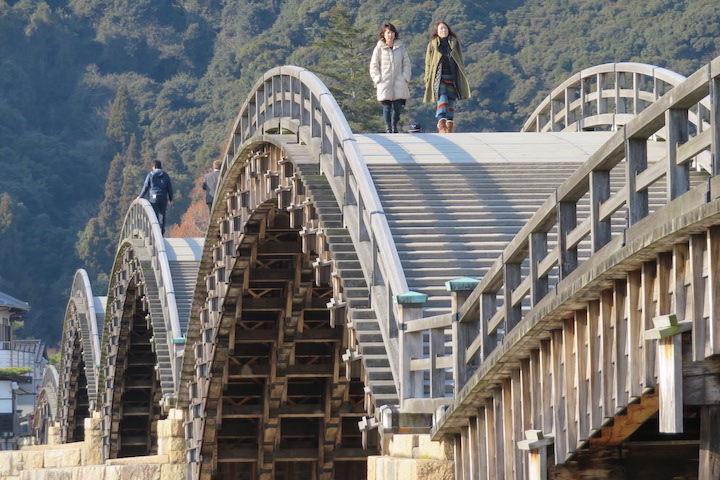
column 157, row 164
column 434, row 30
column 387, row 26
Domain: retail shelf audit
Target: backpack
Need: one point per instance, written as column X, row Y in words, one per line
column 158, row 184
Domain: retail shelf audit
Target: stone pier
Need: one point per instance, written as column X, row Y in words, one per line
column 83, row 460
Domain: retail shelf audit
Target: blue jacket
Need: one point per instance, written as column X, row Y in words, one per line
column 158, row 184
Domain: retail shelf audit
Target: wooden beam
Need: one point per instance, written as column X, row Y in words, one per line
column 698, row 247
column 709, row 468
column 713, row 249
column 667, row 331
column 636, row 159
column 678, row 175
column 625, row 424
column 536, row 444
column 599, row 193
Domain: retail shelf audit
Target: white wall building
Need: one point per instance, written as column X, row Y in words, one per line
column 17, row 392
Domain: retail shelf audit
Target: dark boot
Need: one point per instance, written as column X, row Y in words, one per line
column 395, row 127
column 388, row 129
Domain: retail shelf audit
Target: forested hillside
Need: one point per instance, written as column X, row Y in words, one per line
column 92, row 90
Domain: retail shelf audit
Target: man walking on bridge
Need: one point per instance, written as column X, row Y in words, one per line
column 158, row 185
column 210, row 183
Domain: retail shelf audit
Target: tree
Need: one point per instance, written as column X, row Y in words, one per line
column 123, row 120
column 6, row 214
column 343, row 66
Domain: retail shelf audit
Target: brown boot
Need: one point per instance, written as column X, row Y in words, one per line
column 442, row 126
column 449, row 126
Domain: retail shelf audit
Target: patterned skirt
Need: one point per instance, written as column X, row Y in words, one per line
column 447, row 95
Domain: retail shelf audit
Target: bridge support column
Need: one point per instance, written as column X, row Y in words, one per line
column 92, row 447
column 171, row 436
column 54, row 434
column 709, row 443
column 536, row 445
column 667, row 331
column 413, row 458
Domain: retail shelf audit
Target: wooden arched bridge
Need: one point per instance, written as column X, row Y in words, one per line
column 546, row 301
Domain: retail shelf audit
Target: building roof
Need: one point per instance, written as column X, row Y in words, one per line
column 6, row 301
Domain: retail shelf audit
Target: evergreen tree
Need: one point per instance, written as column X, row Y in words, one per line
column 6, row 214
column 343, row 66
column 123, row 120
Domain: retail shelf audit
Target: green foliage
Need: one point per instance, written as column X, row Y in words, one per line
column 6, row 214
column 14, row 371
column 123, row 121
column 91, row 91
column 55, row 359
column 343, row 66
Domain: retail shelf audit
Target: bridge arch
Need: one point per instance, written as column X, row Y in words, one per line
column 608, row 96
column 143, row 337
column 290, row 156
column 80, row 357
column 47, row 406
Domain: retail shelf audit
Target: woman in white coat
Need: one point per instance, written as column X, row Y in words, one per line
column 390, row 71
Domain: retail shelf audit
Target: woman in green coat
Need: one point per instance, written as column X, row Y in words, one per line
column 445, row 80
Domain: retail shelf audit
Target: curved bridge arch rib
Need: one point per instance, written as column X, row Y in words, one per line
column 144, row 335
column 80, row 357
column 282, row 279
column 47, row 406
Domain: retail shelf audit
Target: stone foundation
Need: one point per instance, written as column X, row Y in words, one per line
column 413, row 457
column 83, row 460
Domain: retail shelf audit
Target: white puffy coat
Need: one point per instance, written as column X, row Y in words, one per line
column 390, row 71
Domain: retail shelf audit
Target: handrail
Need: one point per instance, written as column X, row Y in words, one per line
column 291, row 98
column 508, row 278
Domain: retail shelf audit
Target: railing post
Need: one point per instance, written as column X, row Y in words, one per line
column 410, row 305
column 513, row 277
column 678, row 176
column 488, row 307
column 670, row 380
column 636, row 158
column 715, row 124
column 567, row 221
column 602, row 103
column 463, row 333
column 538, row 251
column 438, row 375
column 600, row 232
column 536, row 445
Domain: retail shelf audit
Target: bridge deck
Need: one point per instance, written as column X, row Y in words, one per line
column 453, row 202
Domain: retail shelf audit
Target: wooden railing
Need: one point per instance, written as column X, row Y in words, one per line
column 293, row 100
column 545, row 251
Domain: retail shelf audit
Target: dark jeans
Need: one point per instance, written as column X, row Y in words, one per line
column 159, row 205
column 391, row 111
